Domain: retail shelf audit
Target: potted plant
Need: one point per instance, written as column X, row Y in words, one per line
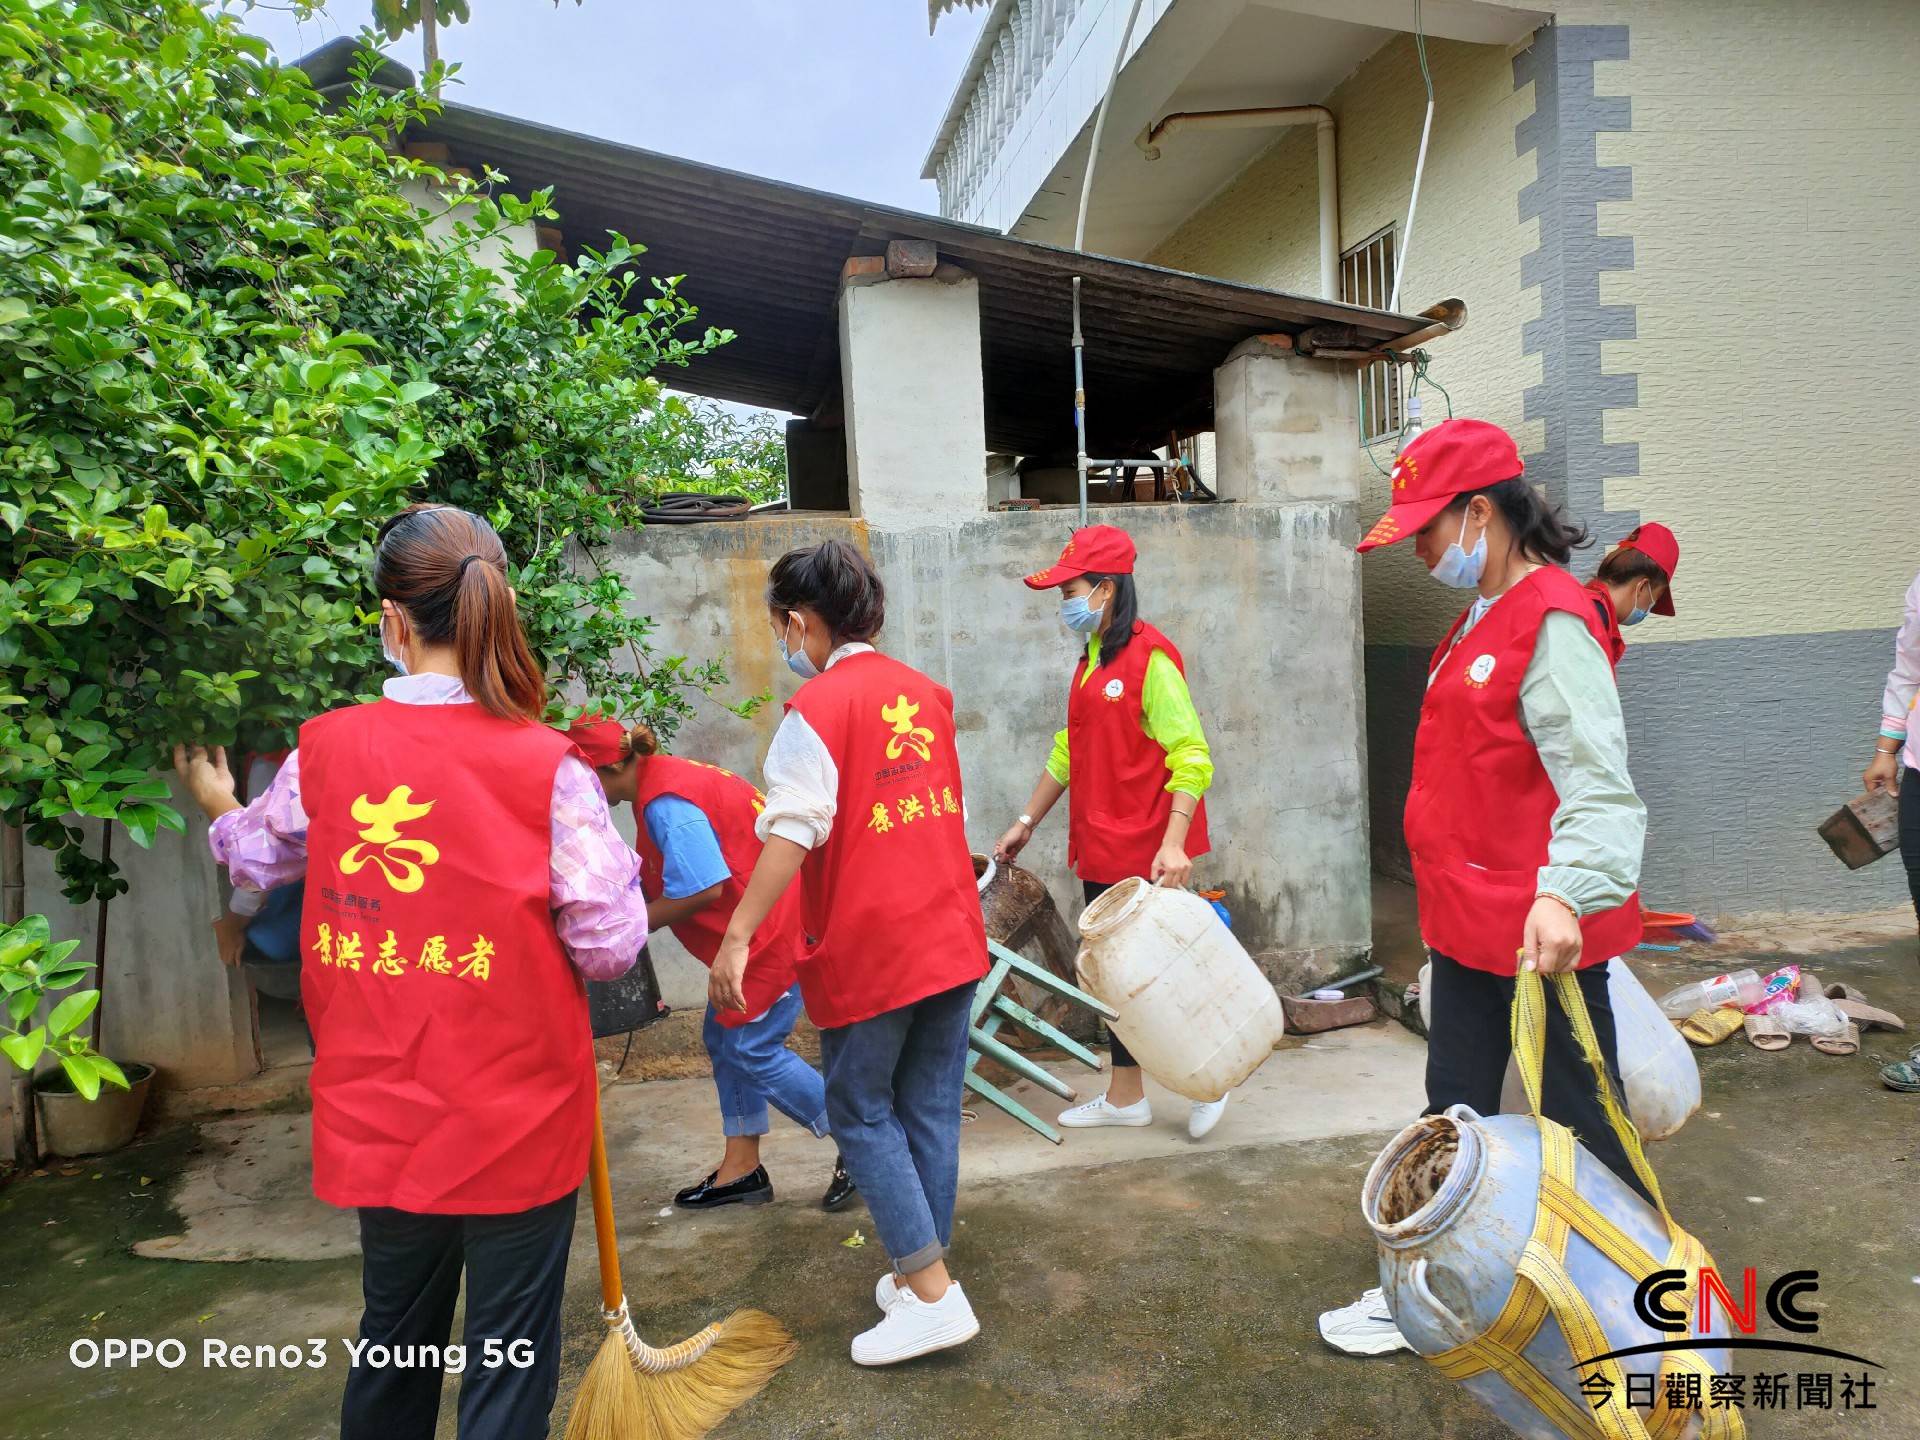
column 87, row 1104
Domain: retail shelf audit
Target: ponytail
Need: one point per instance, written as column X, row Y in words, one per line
column 1541, row 530
column 642, row 742
column 448, row 570
column 837, row 583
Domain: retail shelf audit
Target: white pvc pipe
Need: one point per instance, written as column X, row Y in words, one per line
column 1327, row 158
column 1080, row 244
column 1413, row 202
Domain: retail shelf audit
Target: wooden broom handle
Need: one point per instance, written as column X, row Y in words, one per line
column 604, row 1239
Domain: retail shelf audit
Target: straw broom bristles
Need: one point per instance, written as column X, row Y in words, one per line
column 633, row 1391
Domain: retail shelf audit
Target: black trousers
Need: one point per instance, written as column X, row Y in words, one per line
column 516, row 1267
column 1117, row 1053
column 1470, row 1042
column 1910, row 832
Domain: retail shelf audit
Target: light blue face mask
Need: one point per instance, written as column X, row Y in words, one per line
column 798, row 661
column 1459, row 569
column 1638, row 613
column 386, row 649
column 1078, row 616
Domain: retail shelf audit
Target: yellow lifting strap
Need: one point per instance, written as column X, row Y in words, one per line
column 1542, row 1287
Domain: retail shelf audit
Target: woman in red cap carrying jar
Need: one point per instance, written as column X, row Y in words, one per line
column 1522, row 822
column 697, row 845
column 1635, row 581
column 1133, row 763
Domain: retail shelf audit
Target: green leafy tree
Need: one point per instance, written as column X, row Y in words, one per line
column 237, row 329
column 706, row 447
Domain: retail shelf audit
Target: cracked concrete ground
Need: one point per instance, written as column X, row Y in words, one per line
column 1131, row 1283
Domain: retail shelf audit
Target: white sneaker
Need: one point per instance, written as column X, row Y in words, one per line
column 886, row 1292
column 913, row 1328
column 1096, row 1113
column 1363, row 1328
column 1204, row 1115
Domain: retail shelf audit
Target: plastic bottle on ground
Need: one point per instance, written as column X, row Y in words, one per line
column 1742, row 987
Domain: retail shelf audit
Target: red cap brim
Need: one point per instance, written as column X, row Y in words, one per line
column 1053, row 575
column 1664, row 605
column 1401, row 521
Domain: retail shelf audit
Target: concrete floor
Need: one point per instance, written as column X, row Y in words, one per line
column 1131, row 1283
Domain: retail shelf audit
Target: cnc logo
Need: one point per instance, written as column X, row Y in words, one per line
column 1785, row 1304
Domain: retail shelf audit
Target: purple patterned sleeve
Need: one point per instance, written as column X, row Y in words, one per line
column 264, row 844
column 595, row 878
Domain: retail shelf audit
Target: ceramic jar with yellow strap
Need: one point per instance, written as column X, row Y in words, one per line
column 1508, row 1254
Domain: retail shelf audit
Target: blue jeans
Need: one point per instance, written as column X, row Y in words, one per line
column 893, row 1095
column 752, row 1066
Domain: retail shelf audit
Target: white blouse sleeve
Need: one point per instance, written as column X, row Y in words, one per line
column 803, row 786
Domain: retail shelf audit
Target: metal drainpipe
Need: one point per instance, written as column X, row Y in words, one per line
column 1259, row 117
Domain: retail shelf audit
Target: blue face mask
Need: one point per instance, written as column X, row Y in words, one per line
column 798, row 661
column 1639, row 613
column 386, row 649
column 1459, row 569
column 1078, row 616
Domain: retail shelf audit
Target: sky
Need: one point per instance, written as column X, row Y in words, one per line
column 839, row 95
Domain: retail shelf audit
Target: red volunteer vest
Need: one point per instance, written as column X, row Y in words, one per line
column 1608, row 632
column 1118, row 801
column 890, row 898
column 730, row 805
column 1480, row 811
column 453, row 1069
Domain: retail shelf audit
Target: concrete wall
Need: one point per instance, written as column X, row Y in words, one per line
column 1680, row 230
column 1262, row 599
column 167, row 999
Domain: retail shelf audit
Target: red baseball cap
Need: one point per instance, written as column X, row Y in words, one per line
column 1454, row 457
column 1091, row 550
column 1656, row 542
column 600, row 739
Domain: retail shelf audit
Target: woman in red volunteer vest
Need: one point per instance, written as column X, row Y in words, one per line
column 697, row 847
column 1522, row 822
column 864, row 806
column 462, row 876
column 1133, row 763
column 1634, row 581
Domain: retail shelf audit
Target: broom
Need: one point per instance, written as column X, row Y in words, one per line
column 633, row 1391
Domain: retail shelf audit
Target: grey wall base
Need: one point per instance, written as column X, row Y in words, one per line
column 1740, row 748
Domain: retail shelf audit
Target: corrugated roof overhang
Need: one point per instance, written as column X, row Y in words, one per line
column 764, row 259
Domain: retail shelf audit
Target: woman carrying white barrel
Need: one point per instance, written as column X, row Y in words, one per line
column 1522, row 823
column 1134, row 764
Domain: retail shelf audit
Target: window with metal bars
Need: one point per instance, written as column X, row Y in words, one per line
column 1366, row 278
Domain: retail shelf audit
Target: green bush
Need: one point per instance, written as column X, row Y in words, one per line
column 230, row 344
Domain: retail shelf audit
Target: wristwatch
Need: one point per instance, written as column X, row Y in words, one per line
column 1027, row 820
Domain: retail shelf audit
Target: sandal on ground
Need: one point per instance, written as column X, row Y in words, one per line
column 1710, row 1027
column 1847, row 1042
column 1903, row 1076
column 1852, row 1004
column 1766, row 1033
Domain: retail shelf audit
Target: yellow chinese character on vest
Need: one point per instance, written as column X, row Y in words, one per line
column 881, row 820
column 399, row 859
column 906, row 735
column 479, row 959
column 323, row 947
column 434, row 956
column 388, row 962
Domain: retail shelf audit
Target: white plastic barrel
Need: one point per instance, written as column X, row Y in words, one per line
column 1657, row 1067
column 1194, row 1009
column 1451, row 1201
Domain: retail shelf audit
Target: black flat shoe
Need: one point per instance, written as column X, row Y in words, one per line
column 754, row 1189
column 840, row 1190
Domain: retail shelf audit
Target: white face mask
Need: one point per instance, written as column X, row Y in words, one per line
column 797, row 658
column 386, row 649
